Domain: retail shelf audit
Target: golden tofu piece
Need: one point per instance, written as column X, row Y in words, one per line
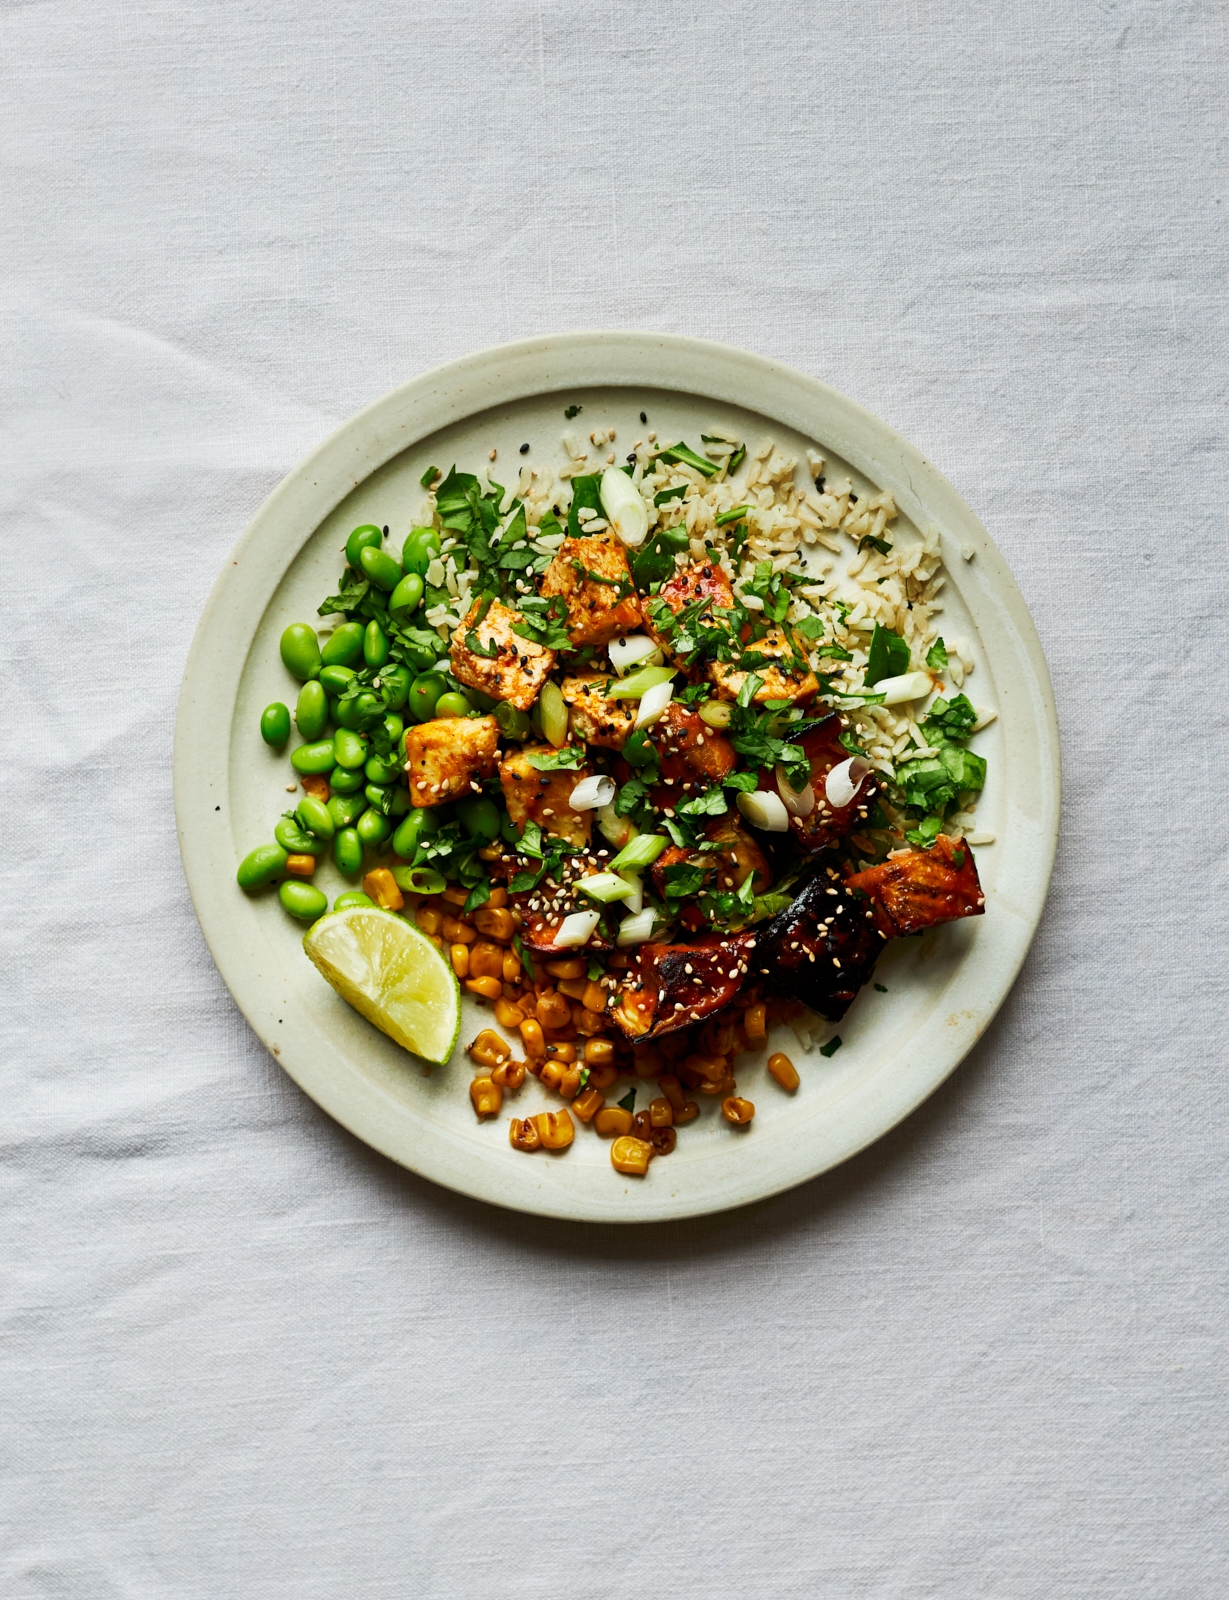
column 543, row 797
column 596, row 720
column 788, row 681
column 597, row 611
column 517, row 669
column 444, row 758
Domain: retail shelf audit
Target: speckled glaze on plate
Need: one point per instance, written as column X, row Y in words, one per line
column 943, row 989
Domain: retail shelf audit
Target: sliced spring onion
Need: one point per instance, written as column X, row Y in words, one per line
column 843, row 782
column 717, row 713
column 615, row 830
column 643, row 851
column 553, row 710
column 420, row 880
column 592, row 793
column 798, row 802
column 636, row 929
column 576, row 929
column 631, row 688
column 764, row 810
column 908, row 686
column 605, row 886
column 652, row 703
column 624, row 506
column 635, row 900
column 634, row 651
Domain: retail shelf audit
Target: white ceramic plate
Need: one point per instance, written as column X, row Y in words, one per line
column 229, row 788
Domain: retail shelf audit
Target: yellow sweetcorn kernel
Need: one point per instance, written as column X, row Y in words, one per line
column 381, row 886
column 487, row 1097
column 631, row 1156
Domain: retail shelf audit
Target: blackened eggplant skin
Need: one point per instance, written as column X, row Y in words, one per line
column 916, row 889
column 673, row 985
column 820, row 949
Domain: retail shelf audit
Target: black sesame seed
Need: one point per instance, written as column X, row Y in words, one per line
column 643, row 418
column 524, row 449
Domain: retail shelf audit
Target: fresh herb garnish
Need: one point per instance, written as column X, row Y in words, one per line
column 832, row 1046
column 628, row 1102
column 936, row 656
column 888, row 656
column 655, row 562
column 682, row 456
column 572, row 411
column 569, row 756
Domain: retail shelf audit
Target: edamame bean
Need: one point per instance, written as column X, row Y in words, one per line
column 372, row 827
column 508, row 830
column 420, row 824
column 348, row 851
column 275, row 724
column 420, row 549
column 406, row 597
column 380, row 771
column 381, row 569
column 424, row 693
column 368, row 537
column 291, row 837
column 346, row 809
column 480, row 818
column 347, row 715
column 301, row 651
column 356, row 897
column 315, row 757
column 375, row 645
column 303, row 900
column 344, row 647
column 337, row 679
column 453, row 704
column 394, row 727
column 351, row 750
column 369, row 705
column 395, row 684
column 342, row 780
column 479, row 701
column 261, row 866
column 387, row 800
column 314, row 816
column 422, row 653
column 312, row 710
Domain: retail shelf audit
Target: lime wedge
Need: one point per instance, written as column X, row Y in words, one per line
column 392, row 973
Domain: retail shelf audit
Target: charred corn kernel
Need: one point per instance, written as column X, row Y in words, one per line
column 673, row 1091
column 718, row 1039
column 599, row 1052
column 436, row 940
column 510, row 971
column 488, row 988
column 631, row 1156
column 490, row 852
column 755, row 1021
column 523, row 1134
column 587, row 1104
column 508, row 1015
column 553, row 1010
column 458, row 954
column 428, row 920
column 612, row 1122
column 487, row 1096
column 495, row 922
column 512, row 991
column 316, row 785
column 663, row 1141
column 498, row 898
column 661, row 1113
column 710, row 1068
column 737, row 1111
column 642, row 1126
column 488, row 1049
column 588, row 1022
column 569, row 1084
column 649, row 1060
column 603, row 1077
column 300, row 866
column 574, row 988
column 555, row 1129
column 531, row 1037
column 455, row 896
column 574, row 968
column 552, row 1074
column 722, row 1086
column 457, row 932
column 564, row 1035
column 557, row 1050
column 509, row 1074
column 486, row 960
column 784, row 1071
column 380, row 884
column 689, row 1113
column 594, row 998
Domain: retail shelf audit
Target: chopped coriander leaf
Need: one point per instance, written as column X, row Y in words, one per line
column 681, row 455
column 768, row 905
column 586, row 493
column 958, row 859
column 888, row 656
column 572, row 411
column 950, row 720
column 882, row 988
column 936, row 656
column 682, row 881
column 630, row 796
column 747, row 782
column 526, row 958
column 655, row 562
column 531, row 841
column 849, row 742
column 832, row 1046
column 628, row 1102
column 595, row 971
column 926, row 832
column 638, row 751
column 544, row 622
column 478, row 896
column 869, row 542
column 711, row 804
column 748, row 691
column 570, row 756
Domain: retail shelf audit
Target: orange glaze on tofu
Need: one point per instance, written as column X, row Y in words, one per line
column 444, row 758
column 792, row 679
column 543, row 797
column 703, row 580
column 915, row 889
column 596, row 720
column 517, row 670
column 597, row 611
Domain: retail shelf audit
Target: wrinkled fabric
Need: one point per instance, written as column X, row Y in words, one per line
column 241, row 1355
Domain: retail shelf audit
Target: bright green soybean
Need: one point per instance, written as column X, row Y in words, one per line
column 395, row 684
column 312, row 710
column 420, row 824
column 343, row 780
column 406, row 597
column 388, row 801
column 368, row 537
column 275, row 724
column 425, row 692
column 420, row 549
column 337, row 679
column 348, row 851
column 453, row 704
column 313, row 758
column 314, row 816
column 261, row 866
column 375, row 645
column 382, row 570
column 355, row 897
column 480, row 818
column 301, row 651
column 346, row 809
column 380, row 771
column 372, row 828
column 303, row 900
column 351, row 750
column 424, row 651
column 344, row 646
column 291, row 837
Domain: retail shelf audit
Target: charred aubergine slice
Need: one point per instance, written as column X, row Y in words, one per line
column 825, row 823
column 918, row 889
column 673, row 985
column 821, row 949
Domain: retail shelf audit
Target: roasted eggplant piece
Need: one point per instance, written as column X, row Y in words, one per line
column 821, row 949
column 821, row 741
column 693, row 756
column 916, row 889
column 673, row 985
column 540, row 911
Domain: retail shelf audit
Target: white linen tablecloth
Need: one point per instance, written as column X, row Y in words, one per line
column 241, row 1355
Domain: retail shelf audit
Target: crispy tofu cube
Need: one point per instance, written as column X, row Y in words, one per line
column 597, row 611
column 517, row 669
column 788, row 681
column 596, row 720
column 703, row 580
column 446, row 756
column 543, row 797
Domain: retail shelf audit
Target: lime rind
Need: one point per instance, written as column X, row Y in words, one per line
column 392, row 974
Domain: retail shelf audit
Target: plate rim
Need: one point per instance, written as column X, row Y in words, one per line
column 367, row 441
